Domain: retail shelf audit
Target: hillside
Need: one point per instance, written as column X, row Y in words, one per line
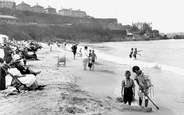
column 42, row 18
column 44, row 27
column 49, row 32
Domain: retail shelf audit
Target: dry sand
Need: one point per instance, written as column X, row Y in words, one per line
column 69, row 90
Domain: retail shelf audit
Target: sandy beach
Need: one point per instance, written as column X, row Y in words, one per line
column 71, row 90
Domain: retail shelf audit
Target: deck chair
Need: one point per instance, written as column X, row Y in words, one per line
column 16, row 82
column 61, row 59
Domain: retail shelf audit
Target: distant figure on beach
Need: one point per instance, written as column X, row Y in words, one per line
column 74, row 50
column 144, row 84
column 8, row 54
column 128, row 88
column 85, row 56
column 80, row 51
column 135, row 53
column 92, row 58
column 131, row 52
column 89, row 53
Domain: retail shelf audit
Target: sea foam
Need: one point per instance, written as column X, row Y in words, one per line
column 133, row 62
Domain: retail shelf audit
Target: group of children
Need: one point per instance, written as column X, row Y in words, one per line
column 92, row 58
column 128, row 86
column 134, row 53
column 89, row 57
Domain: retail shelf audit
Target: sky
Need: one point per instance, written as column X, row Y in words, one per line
column 165, row 15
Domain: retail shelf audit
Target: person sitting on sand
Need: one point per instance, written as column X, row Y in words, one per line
column 128, row 88
column 144, row 84
column 85, row 56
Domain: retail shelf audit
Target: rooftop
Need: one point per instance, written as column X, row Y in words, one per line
column 23, row 3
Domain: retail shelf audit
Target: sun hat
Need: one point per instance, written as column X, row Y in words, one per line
column 135, row 68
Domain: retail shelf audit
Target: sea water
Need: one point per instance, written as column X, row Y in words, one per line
column 162, row 60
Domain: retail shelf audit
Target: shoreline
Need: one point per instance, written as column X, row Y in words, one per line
column 108, row 71
column 70, row 89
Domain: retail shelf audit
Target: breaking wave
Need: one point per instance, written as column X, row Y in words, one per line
column 129, row 61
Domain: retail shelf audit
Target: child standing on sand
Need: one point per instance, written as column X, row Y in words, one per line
column 74, row 50
column 144, row 83
column 85, row 56
column 92, row 58
column 128, row 88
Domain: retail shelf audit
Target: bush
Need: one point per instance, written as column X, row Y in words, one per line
column 46, row 33
column 178, row 37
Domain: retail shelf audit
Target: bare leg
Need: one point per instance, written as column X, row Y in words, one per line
column 140, row 101
column 146, row 102
column 34, row 73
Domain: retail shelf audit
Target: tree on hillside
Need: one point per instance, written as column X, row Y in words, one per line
column 178, row 37
column 155, row 32
column 146, row 28
column 134, row 28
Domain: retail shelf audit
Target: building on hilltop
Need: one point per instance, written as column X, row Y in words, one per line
column 78, row 13
column 72, row 13
column 65, row 12
column 7, row 4
column 140, row 25
column 37, row 8
column 50, row 10
column 8, row 19
column 23, row 6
